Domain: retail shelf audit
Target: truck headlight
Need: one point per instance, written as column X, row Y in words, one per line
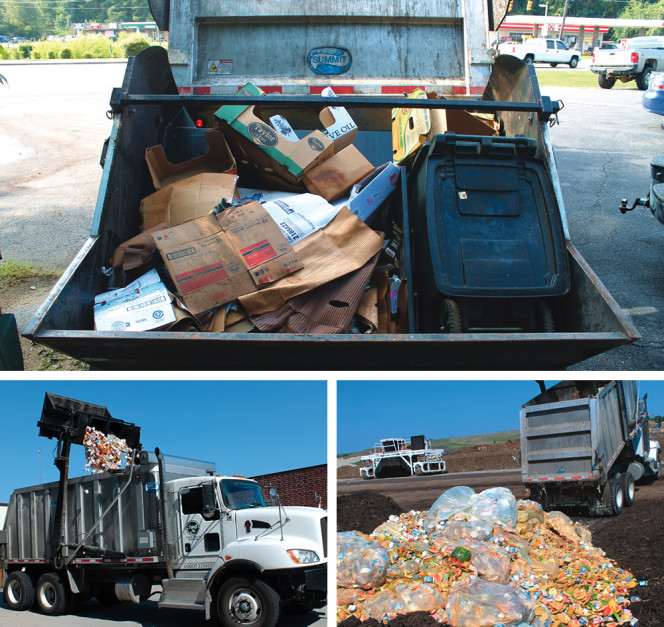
column 300, row 556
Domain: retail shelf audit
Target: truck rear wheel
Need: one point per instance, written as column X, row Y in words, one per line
column 628, row 489
column 247, row 601
column 606, row 82
column 643, row 79
column 52, row 596
column 19, row 591
column 614, row 495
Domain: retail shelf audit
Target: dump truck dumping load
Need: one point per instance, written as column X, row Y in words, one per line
column 398, row 457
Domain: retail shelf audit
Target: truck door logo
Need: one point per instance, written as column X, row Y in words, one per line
column 262, row 134
column 329, row 61
column 192, row 528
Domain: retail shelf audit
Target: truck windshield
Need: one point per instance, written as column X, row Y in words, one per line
column 242, row 494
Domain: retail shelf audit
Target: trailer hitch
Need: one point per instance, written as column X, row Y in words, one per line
column 643, row 202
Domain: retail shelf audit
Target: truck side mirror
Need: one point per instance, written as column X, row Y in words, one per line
column 209, row 511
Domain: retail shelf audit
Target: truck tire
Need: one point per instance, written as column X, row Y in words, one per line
column 605, row 82
column 19, row 591
column 553, row 64
column 616, row 495
column 573, row 62
column 247, row 601
column 529, row 60
column 52, row 597
column 628, row 489
column 643, row 79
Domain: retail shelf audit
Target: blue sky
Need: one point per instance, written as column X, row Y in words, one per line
column 370, row 410
column 246, row 427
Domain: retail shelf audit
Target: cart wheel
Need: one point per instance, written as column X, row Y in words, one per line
column 19, row 591
column 545, row 317
column 450, row 316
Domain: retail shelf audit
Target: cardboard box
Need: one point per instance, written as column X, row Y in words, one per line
column 187, row 199
column 460, row 122
column 214, row 259
column 339, row 126
column 334, row 177
column 368, row 195
column 410, row 128
column 257, row 144
column 144, row 305
column 218, row 159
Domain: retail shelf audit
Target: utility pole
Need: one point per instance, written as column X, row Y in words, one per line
column 562, row 26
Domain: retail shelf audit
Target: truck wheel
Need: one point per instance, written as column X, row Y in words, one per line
column 628, row 489
column 52, row 596
column 573, row 62
column 247, row 601
column 529, row 60
column 553, row 64
column 605, row 82
column 19, row 591
column 617, row 501
column 643, row 79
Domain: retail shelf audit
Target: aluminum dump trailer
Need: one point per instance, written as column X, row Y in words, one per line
column 158, row 85
column 584, row 444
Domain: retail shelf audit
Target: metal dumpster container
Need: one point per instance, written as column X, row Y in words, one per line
column 590, row 320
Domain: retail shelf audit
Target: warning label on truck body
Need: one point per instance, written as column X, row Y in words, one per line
column 220, row 66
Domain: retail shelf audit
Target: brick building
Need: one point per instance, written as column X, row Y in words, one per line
column 303, row 486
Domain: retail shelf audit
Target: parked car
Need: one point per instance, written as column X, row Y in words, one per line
column 536, row 50
column 653, row 97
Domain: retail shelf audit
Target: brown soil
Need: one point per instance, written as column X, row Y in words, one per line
column 633, row 539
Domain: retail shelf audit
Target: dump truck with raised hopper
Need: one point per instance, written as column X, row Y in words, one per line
column 584, row 444
column 478, row 270
column 210, row 542
column 399, row 457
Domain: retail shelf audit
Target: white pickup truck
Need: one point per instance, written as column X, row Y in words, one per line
column 536, row 50
column 635, row 59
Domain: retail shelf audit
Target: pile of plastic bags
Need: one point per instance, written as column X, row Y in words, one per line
column 482, row 560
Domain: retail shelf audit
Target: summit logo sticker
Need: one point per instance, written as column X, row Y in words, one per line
column 329, row 61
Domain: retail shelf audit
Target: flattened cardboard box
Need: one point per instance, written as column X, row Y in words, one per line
column 217, row 258
column 218, row 159
column 271, row 154
column 191, row 198
column 335, row 176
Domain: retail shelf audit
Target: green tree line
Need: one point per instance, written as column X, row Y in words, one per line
column 35, row 19
column 626, row 9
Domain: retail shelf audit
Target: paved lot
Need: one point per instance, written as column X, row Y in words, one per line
column 93, row 614
column 53, row 123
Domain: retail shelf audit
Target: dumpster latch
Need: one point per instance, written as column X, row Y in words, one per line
column 549, row 110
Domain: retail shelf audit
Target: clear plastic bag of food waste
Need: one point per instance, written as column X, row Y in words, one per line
column 481, row 603
column 530, row 516
column 449, row 503
column 462, row 530
column 403, row 598
column 565, row 528
column 497, row 505
column 492, row 563
column 361, row 563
